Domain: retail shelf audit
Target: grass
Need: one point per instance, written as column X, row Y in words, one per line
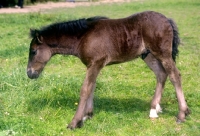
column 123, row 93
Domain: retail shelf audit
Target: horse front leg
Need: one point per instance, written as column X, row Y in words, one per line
column 161, row 77
column 85, row 107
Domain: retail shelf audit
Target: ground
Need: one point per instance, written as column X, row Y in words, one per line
column 43, row 6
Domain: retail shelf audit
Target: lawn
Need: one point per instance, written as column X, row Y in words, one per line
column 123, row 93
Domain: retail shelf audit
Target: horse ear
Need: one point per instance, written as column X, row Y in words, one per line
column 35, row 33
column 39, row 37
column 32, row 32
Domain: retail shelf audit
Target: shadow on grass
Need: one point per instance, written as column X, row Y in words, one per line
column 116, row 105
column 67, row 99
column 107, row 104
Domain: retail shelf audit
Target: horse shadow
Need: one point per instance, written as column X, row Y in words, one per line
column 101, row 104
column 68, row 101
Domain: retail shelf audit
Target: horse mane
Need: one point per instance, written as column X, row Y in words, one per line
column 66, row 28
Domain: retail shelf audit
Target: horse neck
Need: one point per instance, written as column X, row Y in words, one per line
column 66, row 46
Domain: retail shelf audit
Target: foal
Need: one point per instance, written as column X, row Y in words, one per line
column 100, row 41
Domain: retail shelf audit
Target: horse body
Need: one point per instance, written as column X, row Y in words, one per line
column 125, row 47
column 124, row 39
column 100, row 41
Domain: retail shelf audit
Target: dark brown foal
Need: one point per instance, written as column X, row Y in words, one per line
column 100, row 41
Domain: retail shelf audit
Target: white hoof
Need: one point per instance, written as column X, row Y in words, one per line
column 153, row 113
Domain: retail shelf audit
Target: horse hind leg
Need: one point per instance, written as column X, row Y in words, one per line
column 161, row 77
column 175, row 79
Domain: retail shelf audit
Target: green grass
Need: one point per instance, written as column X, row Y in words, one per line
column 123, row 93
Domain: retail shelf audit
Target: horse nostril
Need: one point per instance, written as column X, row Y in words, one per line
column 29, row 73
column 32, row 75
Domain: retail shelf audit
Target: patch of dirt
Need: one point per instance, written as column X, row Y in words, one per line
column 49, row 5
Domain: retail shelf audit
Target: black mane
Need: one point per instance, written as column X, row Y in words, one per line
column 70, row 27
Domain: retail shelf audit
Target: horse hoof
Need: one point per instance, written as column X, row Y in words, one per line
column 153, row 113
column 72, row 126
column 178, row 121
column 182, row 115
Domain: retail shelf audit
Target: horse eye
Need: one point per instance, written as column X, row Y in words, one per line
column 34, row 52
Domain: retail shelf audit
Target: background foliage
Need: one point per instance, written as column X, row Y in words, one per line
column 123, row 93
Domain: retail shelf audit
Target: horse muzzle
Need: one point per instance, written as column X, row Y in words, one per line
column 32, row 74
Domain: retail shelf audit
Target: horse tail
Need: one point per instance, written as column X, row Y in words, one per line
column 176, row 39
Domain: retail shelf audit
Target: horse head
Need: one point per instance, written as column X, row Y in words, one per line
column 39, row 55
